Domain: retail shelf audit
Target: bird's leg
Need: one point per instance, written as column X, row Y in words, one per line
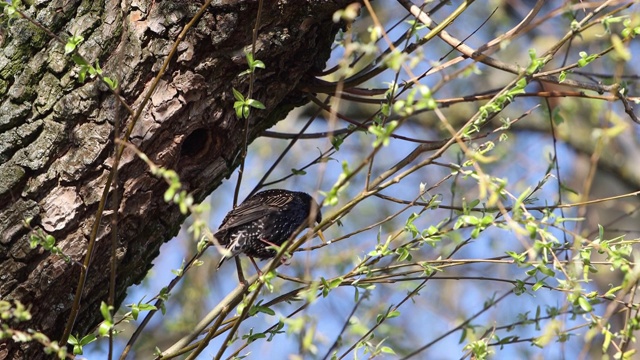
column 256, row 265
column 241, row 278
column 284, row 258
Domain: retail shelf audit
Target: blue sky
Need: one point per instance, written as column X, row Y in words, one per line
column 443, row 304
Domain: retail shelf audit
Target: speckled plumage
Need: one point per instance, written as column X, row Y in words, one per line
column 270, row 216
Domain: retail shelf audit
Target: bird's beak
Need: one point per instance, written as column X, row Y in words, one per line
column 321, row 236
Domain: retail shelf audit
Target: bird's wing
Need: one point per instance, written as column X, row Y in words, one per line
column 250, row 211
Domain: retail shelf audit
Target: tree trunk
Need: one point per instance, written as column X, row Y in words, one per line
column 56, row 134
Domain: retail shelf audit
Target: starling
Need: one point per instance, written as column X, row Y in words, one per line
column 264, row 219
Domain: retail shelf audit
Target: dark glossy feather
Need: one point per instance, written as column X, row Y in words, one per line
column 268, row 217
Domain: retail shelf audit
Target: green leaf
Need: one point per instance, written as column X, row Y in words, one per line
column 104, row 328
column 49, row 242
column 176, row 272
column 79, row 60
column 258, row 64
column 584, row 304
column 163, row 309
column 238, row 106
column 263, row 309
column 382, row 133
column 72, row 340
column 77, row 350
column 403, row 254
column 607, row 340
column 545, row 270
column 395, row 59
column 105, row 310
column 519, row 258
column 387, row 350
column 537, row 285
column 336, row 141
column 88, row 339
column 325, row 287
column 98, row 70
column 585, row 58
column 69, row 48
column 237, row 95
column 255, row 104
column 335, row 283
column 34, row 241
column 611, row 293
column 393, row 314
column 10, row 11
column 255, row 337
column 113, row 84
column 147, row 307
column 82, row 74
column 557, row 118
column 72, row 43
column 519, row 288
column 249, row 56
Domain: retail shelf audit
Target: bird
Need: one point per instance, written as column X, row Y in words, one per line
column 265, row 219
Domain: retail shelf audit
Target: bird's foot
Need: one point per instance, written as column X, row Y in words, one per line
column 285, row 260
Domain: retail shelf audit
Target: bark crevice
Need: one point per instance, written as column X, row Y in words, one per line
column 59, row 133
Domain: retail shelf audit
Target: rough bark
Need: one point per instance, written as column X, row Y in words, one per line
column 56, row 135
